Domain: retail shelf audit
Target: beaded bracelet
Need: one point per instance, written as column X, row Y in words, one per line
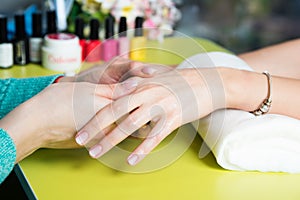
column 266, row 104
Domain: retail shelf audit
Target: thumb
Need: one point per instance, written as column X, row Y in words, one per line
column 148, row 70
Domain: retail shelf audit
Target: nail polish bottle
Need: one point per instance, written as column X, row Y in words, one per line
column 123, row 40
column 79, row 27
column 138, row 42
column 93, row 46
column 36, row 40
column 110, row 45
column 6, row 48
column 51, row 22
column 20, row 43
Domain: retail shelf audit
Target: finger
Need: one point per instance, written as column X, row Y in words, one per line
column 112, row 72
column 105, row 117
column 126, row 87
column 153, row 139
column 132, row 123
column 114, row 91
column 147, row 70
column 121, row 66
column 95, row 140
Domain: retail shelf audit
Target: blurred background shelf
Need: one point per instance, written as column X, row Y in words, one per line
column 239, row 25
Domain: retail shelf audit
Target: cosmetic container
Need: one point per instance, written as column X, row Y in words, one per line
column 110, row 45
column 79, row 27
column 36, row 40
column 6, row 48
column 93, row 45
column 138, row 42
column 20, row 43
column 123, row 40
column 61, row 52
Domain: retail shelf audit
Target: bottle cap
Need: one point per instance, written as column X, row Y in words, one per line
column 138, row 26
column 109, row 27
column 51, row 21
column 60, row 40
column 79, row 26
column 123, row 27
column 37, row 24
column 3, row 28
column 20, row 26
column 94, row 29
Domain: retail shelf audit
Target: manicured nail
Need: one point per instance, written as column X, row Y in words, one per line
column 130, row 84
column 148, row 70
column 81, row 138
column 132, row 159
column 95, row 152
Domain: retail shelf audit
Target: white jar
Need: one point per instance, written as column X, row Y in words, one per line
column 61, row 52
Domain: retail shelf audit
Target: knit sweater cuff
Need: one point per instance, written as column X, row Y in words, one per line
column 15, row 91
column 7, row 155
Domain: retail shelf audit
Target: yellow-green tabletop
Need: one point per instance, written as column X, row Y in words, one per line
column 72, row 174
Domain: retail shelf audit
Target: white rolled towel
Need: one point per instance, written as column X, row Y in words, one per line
column 241, row 141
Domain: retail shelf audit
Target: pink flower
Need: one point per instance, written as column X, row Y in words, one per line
column 149, row 24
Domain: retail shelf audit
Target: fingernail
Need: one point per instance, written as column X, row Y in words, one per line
column 130, row 84
column 81, row 138
column 95, row 151
column 132, row 159
column 148, row 70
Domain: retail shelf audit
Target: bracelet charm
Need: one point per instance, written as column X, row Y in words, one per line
column 266, row 104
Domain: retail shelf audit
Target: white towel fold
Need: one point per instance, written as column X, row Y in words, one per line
column 241, row 141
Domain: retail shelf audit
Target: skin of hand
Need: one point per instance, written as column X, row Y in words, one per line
column 177, row 97
column 168, row 100
column 116, row 71
column 51, row 118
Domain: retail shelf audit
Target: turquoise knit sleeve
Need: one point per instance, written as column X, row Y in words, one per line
column 15, row 91
column 7, row 155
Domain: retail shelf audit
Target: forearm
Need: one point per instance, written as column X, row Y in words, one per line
column 16, row 91
column 246, row 91
column 280, row 60
column 21, row 126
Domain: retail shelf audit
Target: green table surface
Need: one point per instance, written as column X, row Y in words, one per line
column 72, row 174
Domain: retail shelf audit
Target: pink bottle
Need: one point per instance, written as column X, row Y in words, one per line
column 109, row 45
column 124, row 42
column 93, row 46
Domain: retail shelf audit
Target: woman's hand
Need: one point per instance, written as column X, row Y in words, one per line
column 51, row 118
column 168, row 100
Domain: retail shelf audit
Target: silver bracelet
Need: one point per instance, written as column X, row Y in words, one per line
column 266, row 104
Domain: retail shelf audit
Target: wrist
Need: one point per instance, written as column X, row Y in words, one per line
column 20, row 124
column 244, row 90
column 207, row 87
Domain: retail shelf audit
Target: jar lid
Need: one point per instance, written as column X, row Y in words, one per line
column 61, row 39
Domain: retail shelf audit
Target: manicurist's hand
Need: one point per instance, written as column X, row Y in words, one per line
column 116, row 71
column 168, row 100
column 51, row 118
